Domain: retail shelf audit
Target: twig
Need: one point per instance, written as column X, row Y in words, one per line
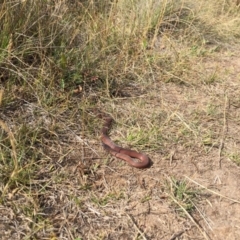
column 141, row 233
column 218, row 194
column 176, row 235
column 220, row 152
column 224, row 129
column 191, row 218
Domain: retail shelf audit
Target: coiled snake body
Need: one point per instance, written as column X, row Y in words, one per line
column 119, row 152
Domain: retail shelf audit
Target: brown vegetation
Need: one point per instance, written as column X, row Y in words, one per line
column 168, row 73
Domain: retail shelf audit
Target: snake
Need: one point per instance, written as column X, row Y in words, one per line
column 119, row 152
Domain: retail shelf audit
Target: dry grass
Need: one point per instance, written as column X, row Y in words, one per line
column 155, row 67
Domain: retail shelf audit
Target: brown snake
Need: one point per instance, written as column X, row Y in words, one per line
column 119, row 152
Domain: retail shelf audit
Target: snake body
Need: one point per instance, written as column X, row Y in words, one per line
column 119, row 152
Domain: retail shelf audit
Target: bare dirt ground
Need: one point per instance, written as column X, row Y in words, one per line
column 199, row 142
column 90, row 195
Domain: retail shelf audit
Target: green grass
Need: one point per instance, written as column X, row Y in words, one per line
column 185, row 197
column 235, row 157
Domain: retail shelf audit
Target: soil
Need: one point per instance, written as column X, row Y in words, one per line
column 204, row 157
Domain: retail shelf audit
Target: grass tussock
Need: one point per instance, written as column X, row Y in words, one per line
column 59, row 60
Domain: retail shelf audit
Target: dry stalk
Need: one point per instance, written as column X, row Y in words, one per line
column 191, row 218
column 140, row 232
column 224, row 130
column 14, row 152
column 211, row 191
